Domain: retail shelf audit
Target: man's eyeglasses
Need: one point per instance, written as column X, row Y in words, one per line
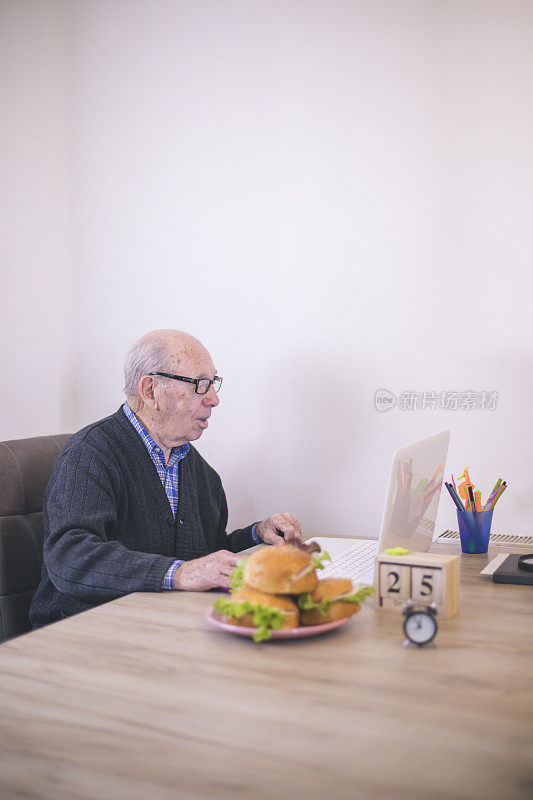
column 201, row 385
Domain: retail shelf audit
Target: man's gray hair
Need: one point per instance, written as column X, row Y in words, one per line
column 143, row 357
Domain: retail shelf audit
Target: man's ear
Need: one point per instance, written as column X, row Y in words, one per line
column 147, row 391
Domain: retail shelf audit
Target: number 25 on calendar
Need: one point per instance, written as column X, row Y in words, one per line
column 424, row 578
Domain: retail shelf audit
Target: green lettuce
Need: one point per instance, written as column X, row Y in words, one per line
column 318, row 558
column 305, row 603
column 265, row 617
column 235, row 581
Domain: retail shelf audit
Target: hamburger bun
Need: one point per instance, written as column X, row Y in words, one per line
column 327, row 590
column 286, row 606
column 280, row 569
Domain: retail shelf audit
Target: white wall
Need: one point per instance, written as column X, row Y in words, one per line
column 35, row 292
column 318, row 190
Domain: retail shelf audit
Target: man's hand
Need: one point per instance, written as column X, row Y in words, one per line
column 270, row 529
column 207, row 572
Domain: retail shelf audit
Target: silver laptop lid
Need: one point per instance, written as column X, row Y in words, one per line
column 414, row 492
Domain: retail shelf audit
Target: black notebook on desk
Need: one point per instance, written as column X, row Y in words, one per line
column 510, row 572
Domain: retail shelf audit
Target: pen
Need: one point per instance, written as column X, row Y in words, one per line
column 495, row 493
column 492, row 494
column 501, row 490
column 472, row 501
column 454, row 497
column 496, row 485
column 477, row 495
column 458, row 499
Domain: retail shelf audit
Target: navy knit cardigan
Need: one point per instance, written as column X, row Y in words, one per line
column 108, row 525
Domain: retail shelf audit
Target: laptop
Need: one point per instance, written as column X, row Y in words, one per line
column 409, row 515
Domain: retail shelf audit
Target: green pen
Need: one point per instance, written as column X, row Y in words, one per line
column 492, row 495
column 496, row 485
column 501, row 490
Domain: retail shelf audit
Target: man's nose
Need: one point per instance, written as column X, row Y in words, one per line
column 211, row 398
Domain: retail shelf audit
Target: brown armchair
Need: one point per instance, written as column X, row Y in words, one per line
column 25, row 468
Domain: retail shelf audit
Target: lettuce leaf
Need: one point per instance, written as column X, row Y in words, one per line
column 235, row 581
column 359, row 596
column 305, row 603
column 265, row 617
column 318, row 558
column 232, row 608
column 316, row 563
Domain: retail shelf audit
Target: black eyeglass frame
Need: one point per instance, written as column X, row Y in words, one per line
column 196, row 381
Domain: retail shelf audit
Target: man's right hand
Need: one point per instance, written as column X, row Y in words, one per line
column 208, row 572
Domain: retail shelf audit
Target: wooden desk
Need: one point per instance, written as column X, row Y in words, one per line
column 141, row 699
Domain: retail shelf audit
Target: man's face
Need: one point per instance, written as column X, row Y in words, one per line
column 182, row 414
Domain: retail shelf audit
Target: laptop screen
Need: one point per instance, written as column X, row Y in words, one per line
column 414, row 491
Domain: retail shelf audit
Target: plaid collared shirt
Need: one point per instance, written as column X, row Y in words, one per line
column 168, row 474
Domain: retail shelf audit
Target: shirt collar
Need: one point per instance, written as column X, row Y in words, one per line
column 149, row 443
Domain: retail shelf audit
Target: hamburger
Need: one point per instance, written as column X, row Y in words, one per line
column 253, row 609
column 283, row 569
column 333, row 598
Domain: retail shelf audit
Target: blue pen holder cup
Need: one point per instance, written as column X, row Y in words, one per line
column 474, row 530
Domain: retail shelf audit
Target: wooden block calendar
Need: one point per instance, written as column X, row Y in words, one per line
column 424, row 578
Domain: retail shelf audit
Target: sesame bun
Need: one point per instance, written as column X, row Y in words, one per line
column 329, row 589
column 280, row 569
column 289, row 609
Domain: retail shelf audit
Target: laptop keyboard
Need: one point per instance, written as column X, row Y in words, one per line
column 353, row 559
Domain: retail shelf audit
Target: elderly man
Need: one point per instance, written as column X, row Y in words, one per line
column 131, row 506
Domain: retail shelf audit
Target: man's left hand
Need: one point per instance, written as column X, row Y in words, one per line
column 280, row 528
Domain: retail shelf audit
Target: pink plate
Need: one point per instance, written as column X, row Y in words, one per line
column 287, row 633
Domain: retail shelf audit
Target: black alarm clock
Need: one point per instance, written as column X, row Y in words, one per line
column 420, row 624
